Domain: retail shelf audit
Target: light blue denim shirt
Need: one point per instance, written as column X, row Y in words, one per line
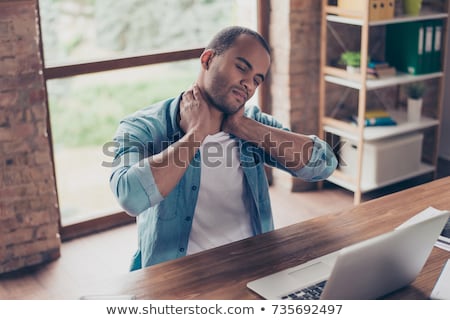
column 164, row 224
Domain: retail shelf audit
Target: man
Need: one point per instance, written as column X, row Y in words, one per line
column 191, row 168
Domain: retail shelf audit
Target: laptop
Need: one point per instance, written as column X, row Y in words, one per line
column 366, row 270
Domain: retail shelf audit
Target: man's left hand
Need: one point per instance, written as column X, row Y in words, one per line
column 231, row 122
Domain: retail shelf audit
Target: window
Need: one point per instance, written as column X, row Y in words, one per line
column 105, row 59
column 85, row 112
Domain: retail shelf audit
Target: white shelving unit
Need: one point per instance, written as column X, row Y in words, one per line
column 344, row 182
column 399, row 19
column 331, row 13
column 373, row 84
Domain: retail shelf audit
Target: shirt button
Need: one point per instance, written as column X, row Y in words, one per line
column 194, row 188
column 187, row 219
column 181, row 249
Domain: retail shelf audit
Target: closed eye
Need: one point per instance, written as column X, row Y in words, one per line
column 242, row 68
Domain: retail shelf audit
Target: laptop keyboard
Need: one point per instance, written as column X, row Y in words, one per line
column 312, row 292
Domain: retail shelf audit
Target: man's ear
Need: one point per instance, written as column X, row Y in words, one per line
column 206, row 57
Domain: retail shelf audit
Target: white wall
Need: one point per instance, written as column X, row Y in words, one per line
column 444, row 146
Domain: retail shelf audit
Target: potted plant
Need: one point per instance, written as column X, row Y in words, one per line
column 412, row 7
column 352, row 60
column 414, row 93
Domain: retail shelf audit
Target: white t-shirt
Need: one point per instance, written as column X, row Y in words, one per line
column 221, row 214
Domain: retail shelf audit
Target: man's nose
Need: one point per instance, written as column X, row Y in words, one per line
column 247, row 84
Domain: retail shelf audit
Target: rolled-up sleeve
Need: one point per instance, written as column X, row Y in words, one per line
column 135, row 187
column 321, row 164
column 131, row 180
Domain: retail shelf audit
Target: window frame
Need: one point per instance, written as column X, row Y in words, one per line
column 121, row 218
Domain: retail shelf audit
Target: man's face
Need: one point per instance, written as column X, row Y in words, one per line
column 232, row 77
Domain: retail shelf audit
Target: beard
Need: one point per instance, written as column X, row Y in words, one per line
column 220, row 95
column 220, row 103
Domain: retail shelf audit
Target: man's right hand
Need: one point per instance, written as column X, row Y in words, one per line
column 196, row 116
column 197, row 120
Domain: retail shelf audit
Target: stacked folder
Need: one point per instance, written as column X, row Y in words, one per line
column 377, row 117
column 380, row 69
column 415, row 47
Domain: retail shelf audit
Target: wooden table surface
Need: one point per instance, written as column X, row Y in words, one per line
column 222, row 273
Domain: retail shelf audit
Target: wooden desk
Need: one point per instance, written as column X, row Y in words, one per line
column 223, row 273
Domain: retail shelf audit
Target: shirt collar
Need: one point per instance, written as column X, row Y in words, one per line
column 174, row 109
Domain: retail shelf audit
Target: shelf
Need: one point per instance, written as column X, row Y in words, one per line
column 347, row 182
column 349, row 131
column 344, row 16
column 335, row 78
column 343, row 78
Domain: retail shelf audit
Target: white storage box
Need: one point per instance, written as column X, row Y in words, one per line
column 383, row 160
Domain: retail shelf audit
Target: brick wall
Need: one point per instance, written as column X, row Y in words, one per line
column 295, row 39
column 29, row 216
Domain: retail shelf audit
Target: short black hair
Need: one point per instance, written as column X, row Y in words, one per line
column 225, row 38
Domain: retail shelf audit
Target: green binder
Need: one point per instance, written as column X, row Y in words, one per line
column 428, row 63
column 405, row 46
column 437, row 44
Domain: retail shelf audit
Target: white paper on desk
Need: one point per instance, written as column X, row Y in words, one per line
column 421, row 216
column 441, row 289
column 443, row 241
column 442, row 245
column 444, row 238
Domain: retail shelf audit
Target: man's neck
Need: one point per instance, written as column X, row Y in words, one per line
column 215, row 112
